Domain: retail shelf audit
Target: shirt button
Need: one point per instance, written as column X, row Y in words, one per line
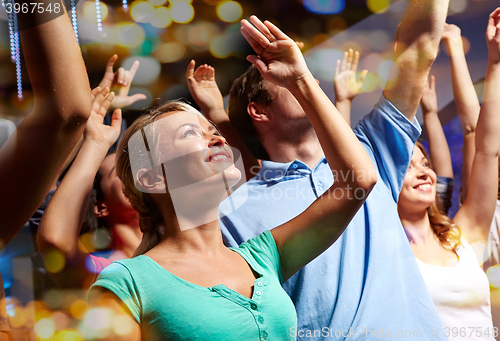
column 294, row 166
column 264, row 335
column 257, row 293
column 253, row 306
column 259, row 284
column 260, row 319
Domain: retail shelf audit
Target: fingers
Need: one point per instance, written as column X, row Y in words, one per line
column 262, row 28
column 433, row 83
column 350, row 55
column 135, row 98
column 106, row 104
column 133, row 70
column 337, row 69
column 274, row 30
column 362, row 77
column 120, row 76
column 95, row 91
column 256, row 39
column 343, row 65
column 190, row 69
column 111, row 63
column 300, row 45
column 259, row 63
column 211, row 73
column 355, row 61
column 116, row 119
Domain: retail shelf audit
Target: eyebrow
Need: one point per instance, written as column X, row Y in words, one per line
column 111, row 171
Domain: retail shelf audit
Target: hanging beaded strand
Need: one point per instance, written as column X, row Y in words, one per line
column 98, row 12
column 124, row 4
column 74, row 20
column 15, row 48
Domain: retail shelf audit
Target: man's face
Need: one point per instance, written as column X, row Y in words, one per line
column 284, row 108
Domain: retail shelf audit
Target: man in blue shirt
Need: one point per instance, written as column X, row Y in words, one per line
column 367, row 285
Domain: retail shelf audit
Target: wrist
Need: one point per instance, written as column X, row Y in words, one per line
column 96, row 145
column 302, row 83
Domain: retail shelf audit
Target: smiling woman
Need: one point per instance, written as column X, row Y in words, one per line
column 450, row 253
column 176, row 168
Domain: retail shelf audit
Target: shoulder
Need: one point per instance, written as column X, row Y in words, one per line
column 262, row 251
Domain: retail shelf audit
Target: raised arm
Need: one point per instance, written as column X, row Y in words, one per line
column 345, row 83
column 466, row 99
column 438, row 146
column 33, row 155
column 206, row 93
column 61, row 223
column 474, row 217
column 415, row 49
column 305, row 237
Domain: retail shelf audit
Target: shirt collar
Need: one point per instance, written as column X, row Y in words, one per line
column 275, row 171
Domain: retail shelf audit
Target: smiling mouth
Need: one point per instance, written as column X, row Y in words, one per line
column 220, row 156
column 424, row 187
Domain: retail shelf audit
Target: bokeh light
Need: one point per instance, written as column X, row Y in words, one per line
column 55, row 261
column 78, row 308
column 378, row 6
column 129, row 34
column 181, row 12
column 199, row 35
column 371, row 82
column 229, row 11
column 53, row 298
column 324, row 6
column 457, row 6
column 158, row 2
column 142, row 11
column 219, row 48
column 169, row 52
column 90, row 13
column 45, row 328
column 149, row 69
column 161, row 17
column 68, row 335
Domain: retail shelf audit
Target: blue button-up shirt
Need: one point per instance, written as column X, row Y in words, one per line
column 367, row 285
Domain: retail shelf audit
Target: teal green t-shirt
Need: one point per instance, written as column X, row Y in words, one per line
column 170, row 308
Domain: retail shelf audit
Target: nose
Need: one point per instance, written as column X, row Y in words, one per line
column 423, row 173
column 216, row 140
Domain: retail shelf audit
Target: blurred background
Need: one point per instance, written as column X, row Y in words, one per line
column 164, row 35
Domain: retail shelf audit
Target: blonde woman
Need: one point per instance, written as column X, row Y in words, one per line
column 185, row 284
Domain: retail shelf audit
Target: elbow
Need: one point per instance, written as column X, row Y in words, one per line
column 47, row 244
column 365, row 181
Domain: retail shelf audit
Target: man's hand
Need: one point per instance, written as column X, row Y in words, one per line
column 119, row 82
column 203, row 88
column 345, row 83
column 278, row 58
column 429, row 101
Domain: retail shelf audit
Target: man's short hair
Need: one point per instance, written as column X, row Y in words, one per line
column 248, row 88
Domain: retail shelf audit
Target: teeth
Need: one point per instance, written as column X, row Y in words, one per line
column 424, row 186
column 219, row 157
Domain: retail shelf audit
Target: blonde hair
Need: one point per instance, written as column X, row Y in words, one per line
column 150, row 217
column 443, row 227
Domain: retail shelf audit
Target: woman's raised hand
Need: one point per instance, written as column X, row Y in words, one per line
column 278, row 58
column 96, row 130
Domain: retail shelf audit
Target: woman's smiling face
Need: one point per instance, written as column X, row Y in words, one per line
column 192, row 150
column 419, row 186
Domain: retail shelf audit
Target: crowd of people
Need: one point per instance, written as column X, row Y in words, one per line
column 272, row 219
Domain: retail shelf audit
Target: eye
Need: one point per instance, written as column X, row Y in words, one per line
column 190, row 132
column 426, row 164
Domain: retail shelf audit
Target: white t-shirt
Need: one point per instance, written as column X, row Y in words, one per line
column 461, row 294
